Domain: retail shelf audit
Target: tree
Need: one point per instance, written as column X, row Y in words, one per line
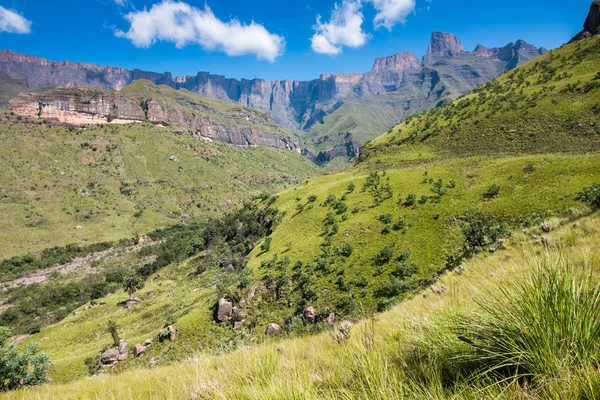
column 21, row 369
column 132, row 282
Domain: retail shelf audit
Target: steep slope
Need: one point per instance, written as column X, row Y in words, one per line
column 517, row 151
column 397, row 86
column 117, row 181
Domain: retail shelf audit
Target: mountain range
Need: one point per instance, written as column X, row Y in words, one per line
column 332, row 115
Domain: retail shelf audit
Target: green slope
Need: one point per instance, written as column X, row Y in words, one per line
column 533, row 135
column 118, row 181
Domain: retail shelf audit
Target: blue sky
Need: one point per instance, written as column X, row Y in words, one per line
column 271, row 39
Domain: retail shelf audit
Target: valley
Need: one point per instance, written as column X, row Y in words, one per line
column 427, row 229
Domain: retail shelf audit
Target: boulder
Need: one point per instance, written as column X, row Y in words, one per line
column 148, row 342
column 331, row 319
column 123, row 347
column 109, row 357
column 309, row 315
column 173, row 332
column 238, row 324
column 272, row 329
column 138, row 350
column 239, row 315
column 224, row 310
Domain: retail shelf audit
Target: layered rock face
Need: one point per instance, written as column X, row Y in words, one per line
column 397, row 62
column 78, row 106
column 86, row 106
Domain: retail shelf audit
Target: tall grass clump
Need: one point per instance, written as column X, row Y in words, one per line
column 541, row 331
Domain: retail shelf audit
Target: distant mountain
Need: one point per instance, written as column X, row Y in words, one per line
column 338, row 109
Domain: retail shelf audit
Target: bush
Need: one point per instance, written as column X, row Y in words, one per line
column 591, row 195
column 492, row 192
column 266, row 245
column 114, row 332
column 384, row 256
column 481, row 230
column 410, row 201
column 21, row 369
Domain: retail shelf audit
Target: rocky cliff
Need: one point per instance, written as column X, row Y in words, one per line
column 591, row 26
column 399, row 84
column 80, row 106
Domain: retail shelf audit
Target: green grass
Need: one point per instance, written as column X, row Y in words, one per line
column 117, row 181
column 393, row 355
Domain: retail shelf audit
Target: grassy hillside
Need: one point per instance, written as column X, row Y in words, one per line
column 515, row 153
column 426, row 198
column 402, row 353
column 547, row 105
column 118, row 181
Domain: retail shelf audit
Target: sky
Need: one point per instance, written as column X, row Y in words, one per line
column 271, row 39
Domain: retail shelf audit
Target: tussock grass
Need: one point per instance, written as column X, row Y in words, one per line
column 533, row 312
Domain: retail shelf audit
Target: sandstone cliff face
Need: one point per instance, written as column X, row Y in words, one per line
column 79, row 106
column 397, row 62
column 87, row 106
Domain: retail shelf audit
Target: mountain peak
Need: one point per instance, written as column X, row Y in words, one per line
column 591, row 26
column 397, row 62
column 442, row 45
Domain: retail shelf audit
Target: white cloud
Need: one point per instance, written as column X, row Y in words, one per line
column 344, row 29
column 120, row 2
column 392, row 12
column 183, row 25
column 12, row 22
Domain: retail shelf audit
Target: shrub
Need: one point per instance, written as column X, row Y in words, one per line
column 591, row 195
column 410, row 201
column 345, row 249
column 492, row 192
column 384, row 256
column 386, row 218
column 266, row 245
column 350, row 188
column 21, row 369
column 114, row 332
column 312, row 198
column 481, row 230
column 132, row 282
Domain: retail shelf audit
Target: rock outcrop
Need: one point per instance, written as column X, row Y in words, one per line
column 350, row 150
column 397, row 62
column 224, row 310
column 443, row 45
column 591, row 26
column 80, row 106
column 272, row 329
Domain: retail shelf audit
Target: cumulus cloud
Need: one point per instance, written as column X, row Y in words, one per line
column 392, row 12
column 344, row 29
column 183, row 25
column 13, row 22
